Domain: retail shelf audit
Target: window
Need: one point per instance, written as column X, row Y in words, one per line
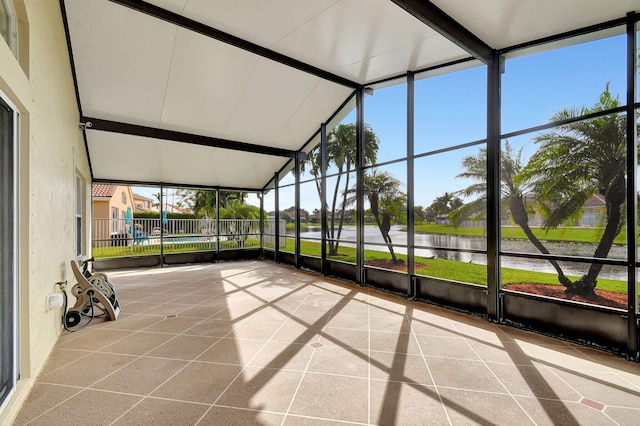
column 123, row 198
column 8, row 250
column 114, row 219
column 9, row 25
column 79, row 213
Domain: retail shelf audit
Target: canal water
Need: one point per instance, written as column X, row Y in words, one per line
column 399, row 237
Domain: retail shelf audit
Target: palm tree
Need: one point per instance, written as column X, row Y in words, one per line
column 576, row 161
column 341, row 152
column 386, row 200
column 513, row 190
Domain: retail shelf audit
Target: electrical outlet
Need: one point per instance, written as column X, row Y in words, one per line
column 54, row 301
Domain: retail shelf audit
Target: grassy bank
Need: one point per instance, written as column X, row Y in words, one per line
column 579, row 235
column 452, row 270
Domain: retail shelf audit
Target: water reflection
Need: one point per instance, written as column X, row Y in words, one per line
column 399, row 237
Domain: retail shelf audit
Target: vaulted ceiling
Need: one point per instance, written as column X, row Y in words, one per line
column 222, row 93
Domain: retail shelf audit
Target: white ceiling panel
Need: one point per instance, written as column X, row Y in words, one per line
column 261, row 22
column 505, row 23
column 122, row 60
column 140, row 159
column 207, row 80
column 164, row 73
column 272, row 96
column 346, row 38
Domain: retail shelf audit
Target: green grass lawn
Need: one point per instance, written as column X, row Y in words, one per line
column 580, row 235
column 450, row 269
column 438, row 268
column 169, row 248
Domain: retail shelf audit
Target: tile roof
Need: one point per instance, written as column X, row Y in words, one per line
column 100, row 190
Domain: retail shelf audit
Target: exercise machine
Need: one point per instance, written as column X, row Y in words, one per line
column 92, row 291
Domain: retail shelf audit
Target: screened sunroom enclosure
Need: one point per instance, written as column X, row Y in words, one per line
column 502, row 161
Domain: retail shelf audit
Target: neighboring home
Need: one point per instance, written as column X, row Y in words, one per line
column 143, row 204
column 110, row 204
column 442, row 219
column 292, row 212
column 593, row 213
column 172, row 208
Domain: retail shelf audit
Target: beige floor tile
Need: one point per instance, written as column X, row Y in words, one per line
column 312, row 317
column 61, row 357
column 236, row 416
column 133, row 322
column 450, row 347
column 463, row 374
column 352, row 307
column 154, row 412
column 269, row 315
column 324, row 396
column 141, row 376
column 623, row 416
column 99, row 338
column 198, row 382
column 393, row 342
column 164, row 309
column 42, row 398
column 365, row 365
column 199, row 311
column 345, row 337
column 399, row 367
column 88, row 370
column 88, row 407
column 472, row 407
column 396, row 403
column 295, row 332
column 175, row 325
column 212, row 328
column 535, row 381
column 503, row 352
column 135, row 307
column 343, row 320
column 604, row 388
column 293, row 420
column 262, row 389
column 343, row 361
column 184, row 347
column 289, row 356
column 232, row 351
column 391, row 323
column 137, row 343
column 555, row 412
column 159, row 298
column 441, row 329
column 255, row 330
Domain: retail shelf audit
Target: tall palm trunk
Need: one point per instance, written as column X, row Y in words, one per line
column 384, row 225
column 520, row 216
column 614, row 202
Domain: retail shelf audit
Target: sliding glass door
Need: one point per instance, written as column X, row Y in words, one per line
column 8, row 252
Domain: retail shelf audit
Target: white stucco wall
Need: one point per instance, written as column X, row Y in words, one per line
column 52, row 151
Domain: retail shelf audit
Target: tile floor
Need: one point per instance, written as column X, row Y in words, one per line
column 255, row 343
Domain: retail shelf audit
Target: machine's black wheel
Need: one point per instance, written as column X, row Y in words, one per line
column 72, row 318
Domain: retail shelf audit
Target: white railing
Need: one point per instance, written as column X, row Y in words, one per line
column 138, row 237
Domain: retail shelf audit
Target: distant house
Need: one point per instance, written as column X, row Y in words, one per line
column 110, row 204
column 442, row 219
column 143, row 204
column 171, row 208
column 292, row 212
column 594, row 211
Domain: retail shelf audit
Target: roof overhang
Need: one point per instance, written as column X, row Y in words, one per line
column 223, row 94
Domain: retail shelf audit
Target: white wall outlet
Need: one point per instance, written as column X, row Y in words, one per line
column 54, row 301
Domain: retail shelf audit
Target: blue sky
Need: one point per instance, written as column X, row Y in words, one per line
column 451, row 110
